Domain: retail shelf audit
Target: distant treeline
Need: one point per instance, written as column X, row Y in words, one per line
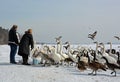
column 3, row 36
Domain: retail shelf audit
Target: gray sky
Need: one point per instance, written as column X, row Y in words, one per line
column 72, row 19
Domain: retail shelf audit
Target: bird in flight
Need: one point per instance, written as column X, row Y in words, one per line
column 58, row 39
column 92, row 36
column 117, row 37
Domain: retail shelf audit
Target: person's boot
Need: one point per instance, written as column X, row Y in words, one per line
column 26, row 64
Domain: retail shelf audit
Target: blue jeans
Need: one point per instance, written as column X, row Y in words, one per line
column 13, row 52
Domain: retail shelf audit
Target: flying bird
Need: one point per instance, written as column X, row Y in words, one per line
column 117, row 37
column 92, row 36
column 58, row 39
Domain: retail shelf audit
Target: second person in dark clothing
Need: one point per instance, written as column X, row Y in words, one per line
column 26, row 43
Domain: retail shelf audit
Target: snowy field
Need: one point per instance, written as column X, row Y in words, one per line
column 21, row 73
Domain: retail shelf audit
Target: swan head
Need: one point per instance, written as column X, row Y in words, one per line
column 67, row 43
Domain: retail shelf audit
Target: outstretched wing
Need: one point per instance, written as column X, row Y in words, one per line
column 117, row 37
column 92, row 36
column 58, row 39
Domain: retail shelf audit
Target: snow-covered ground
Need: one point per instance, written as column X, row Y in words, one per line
column 21, row 73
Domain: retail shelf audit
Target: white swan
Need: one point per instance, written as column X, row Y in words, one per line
column 106, row 55
column 59, row 48
column 98, row 55
column 110, row 53
column 55, row 56
column 73, row 57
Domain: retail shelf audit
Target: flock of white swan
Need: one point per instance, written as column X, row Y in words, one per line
column 80, row 57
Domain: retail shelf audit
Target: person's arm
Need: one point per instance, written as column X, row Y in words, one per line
column 16, row 38
column 31, row 42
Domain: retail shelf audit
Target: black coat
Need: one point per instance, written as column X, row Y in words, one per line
column 13, row 38
column 25, row 43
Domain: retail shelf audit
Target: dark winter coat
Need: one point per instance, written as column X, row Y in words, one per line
column 25, row 44
column 13, row 38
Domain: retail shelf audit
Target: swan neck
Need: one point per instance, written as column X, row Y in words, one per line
column 103, row 48
column 59, row 47
column 96, row 47
column 110, row 47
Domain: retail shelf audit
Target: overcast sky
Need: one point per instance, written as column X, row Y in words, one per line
column 71, row 19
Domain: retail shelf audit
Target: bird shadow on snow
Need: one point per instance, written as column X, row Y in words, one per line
column 86, row 73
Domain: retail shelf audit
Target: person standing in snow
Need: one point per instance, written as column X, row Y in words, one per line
column 26, row 44
column 13, row 42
